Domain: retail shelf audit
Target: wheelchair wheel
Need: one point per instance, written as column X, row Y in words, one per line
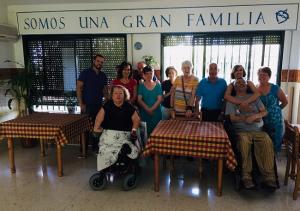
column 98, row 181
column 130, row 182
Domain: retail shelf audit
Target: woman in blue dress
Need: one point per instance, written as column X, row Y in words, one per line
column 274, row 100
column 149, row 99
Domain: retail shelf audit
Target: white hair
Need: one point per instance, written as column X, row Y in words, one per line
column 187, row 63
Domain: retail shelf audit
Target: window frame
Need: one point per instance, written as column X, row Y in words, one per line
column 206, row 35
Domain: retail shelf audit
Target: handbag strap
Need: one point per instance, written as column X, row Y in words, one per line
column 183, row 91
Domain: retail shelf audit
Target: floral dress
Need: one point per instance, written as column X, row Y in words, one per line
column 110, row 144
column 273, row 122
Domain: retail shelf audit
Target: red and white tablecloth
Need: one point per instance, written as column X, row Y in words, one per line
column 191, row 138
column 61, row 127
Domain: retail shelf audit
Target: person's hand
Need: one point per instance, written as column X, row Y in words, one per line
column 188, row 113
column 197, row 115
column 82, row 107
column 250, row 119
column 149, row 111
column 133, row 136
column 245, row 107
column 172, row 113
column 97, row 132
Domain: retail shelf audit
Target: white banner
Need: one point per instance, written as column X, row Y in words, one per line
column 195, row 19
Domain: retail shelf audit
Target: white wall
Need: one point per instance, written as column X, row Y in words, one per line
column 3, row 11
column 151, row 42
column 6, row 48
column 150, row 46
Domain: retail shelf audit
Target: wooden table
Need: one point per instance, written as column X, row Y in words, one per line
column 58, row 127
column 191, row 138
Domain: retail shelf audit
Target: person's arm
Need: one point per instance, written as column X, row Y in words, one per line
column 236, row 118
column 197, row 110
column 231, row 111
column 158, row 91
column 282, row 98
column 105, row 93
column 228, row 97
column 99, row 120
column 191, row 104
column 135, row 120
column 157, row 103
column 166, row 94
column 163, row 87
column 172, row 95
column 79, row 90
column 255, row 94
column 133, row 99
column 142, row 104
column 258, row 116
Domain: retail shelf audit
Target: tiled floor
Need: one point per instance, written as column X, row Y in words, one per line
column 36, row 186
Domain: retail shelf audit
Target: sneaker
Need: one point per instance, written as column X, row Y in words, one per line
column 271, row 184
column 248, row 183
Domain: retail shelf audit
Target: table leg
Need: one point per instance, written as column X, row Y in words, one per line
column 83, row 145
column 11, row 157
column 200, row 167
column 220, row 177
column 42, row 144
column 156, row 172
column 59, row 160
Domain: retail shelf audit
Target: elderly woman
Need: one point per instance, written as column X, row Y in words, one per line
column 274, row 100
column 124, row 78
column 149, row 99
column 238, row 72
column 117, row 121
column 183, row 101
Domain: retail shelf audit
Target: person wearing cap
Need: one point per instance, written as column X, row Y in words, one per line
column 248, row 125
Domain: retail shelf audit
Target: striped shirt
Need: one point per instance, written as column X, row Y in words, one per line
column 189, row 87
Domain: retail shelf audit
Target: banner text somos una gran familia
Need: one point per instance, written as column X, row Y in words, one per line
column 140, row 21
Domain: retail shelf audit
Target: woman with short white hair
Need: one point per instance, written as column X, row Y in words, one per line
column 183, row 101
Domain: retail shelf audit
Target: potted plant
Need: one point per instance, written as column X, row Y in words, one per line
column 18, row 90
column 70, row 101
column 149, row 60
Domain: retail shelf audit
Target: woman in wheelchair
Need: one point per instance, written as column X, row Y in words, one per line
column 116, row 125
column 248, row 127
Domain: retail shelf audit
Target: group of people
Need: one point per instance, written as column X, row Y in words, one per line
column 254, row 110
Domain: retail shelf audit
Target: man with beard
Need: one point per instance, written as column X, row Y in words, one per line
column 91, row 89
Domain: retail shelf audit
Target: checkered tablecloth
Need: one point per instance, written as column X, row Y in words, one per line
column 61, row 127
column 191, row 138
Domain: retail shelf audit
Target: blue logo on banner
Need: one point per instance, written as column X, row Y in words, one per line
column 282, row 16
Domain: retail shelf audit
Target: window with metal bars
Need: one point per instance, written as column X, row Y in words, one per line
column 57, row 60
column 251, row 49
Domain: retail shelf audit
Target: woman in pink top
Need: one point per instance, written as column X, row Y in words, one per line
column 124, row 78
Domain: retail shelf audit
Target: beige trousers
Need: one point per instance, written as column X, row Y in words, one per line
column 263, row 151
